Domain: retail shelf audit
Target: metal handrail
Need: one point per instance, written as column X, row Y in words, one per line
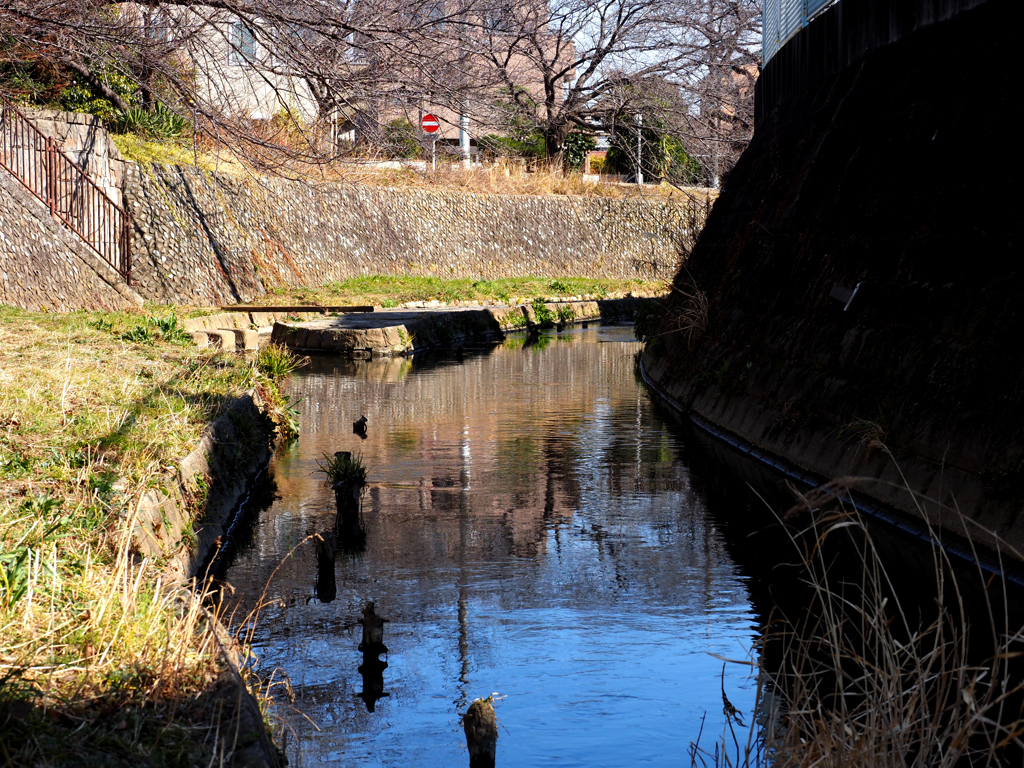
column 37, row 162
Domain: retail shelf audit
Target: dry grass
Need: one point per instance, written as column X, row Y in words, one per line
column 863, row 677
column 689, row 316
column 503, row 177
column 101, row 660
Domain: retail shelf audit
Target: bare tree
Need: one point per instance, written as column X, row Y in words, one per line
column 288, row 78
column 721, row 84
column 230, row 66
column 571, row 64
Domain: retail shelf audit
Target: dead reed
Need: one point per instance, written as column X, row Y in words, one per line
column 860, row 676
column 505, row 176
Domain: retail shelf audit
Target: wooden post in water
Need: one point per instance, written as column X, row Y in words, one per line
column 326, row 587
column 481, row 726
column 372, row 668
column 373, row 631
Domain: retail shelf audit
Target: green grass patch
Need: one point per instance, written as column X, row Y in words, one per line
column 392, row 290
column 545, row 317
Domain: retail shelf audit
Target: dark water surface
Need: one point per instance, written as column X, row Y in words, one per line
column 532, row 532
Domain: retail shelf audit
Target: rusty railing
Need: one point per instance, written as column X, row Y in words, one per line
column 37, row 162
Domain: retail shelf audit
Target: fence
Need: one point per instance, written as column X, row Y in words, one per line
column 784, row 18
column 37, row 162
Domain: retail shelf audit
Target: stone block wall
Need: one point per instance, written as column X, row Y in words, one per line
column 205, row 238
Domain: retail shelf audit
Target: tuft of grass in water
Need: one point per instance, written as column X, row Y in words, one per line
column 276, row 361
column 343, row 467
column 92, row 636
column 859, row 678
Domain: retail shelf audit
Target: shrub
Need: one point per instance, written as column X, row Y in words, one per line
column 545, row 317
column 402, row 140
column 576, row 148
column 160, row 123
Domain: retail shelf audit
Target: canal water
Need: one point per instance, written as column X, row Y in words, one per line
column 532, row 531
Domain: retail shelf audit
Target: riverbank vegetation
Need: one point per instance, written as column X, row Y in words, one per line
column 393, row 290
column 103, row 661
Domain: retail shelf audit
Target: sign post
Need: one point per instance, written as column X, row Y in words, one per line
column 430, row 125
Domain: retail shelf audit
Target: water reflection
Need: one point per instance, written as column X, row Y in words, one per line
column 530, row 530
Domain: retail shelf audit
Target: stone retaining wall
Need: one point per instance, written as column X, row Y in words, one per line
column 203, row 238
column 217, row 472
column 915, row 385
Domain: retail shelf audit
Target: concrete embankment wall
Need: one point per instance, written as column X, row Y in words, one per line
column 890, row 170
column 204, row 238
column 183, row 522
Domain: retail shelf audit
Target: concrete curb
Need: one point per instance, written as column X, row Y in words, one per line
column 229, row 455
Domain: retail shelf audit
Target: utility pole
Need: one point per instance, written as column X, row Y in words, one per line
column 639, row 138
column 464, row 137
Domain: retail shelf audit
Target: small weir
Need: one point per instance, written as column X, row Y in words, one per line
column 530, row 532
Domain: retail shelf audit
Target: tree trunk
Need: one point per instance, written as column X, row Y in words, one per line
column 554, row 142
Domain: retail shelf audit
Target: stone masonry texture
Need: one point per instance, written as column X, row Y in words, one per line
column 86, row 142
column 205, row 238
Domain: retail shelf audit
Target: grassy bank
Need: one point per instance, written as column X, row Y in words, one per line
column 393, row 290
column 101, row 661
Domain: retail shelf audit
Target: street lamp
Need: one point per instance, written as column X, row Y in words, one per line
column 639, row 137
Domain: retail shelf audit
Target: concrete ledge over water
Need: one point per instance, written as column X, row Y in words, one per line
column 407, row 331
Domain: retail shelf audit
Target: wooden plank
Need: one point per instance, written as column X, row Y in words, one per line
column 321, row 310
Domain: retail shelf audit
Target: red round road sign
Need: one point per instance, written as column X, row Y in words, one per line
column 430, row 124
